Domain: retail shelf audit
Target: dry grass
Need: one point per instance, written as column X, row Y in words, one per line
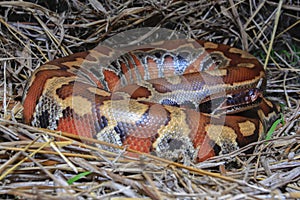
column 38, row 168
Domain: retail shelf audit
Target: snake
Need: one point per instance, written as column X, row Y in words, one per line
column 169, row 98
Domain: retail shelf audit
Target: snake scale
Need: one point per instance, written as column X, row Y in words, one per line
column 167, row 98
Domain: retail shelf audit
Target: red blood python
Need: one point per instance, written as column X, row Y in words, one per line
column 169, row 98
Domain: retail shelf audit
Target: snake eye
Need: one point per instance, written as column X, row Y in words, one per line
column 247, row 98
column 230, row 101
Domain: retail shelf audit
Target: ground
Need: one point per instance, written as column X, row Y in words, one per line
column 34, row 32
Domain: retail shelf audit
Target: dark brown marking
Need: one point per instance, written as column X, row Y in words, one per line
column 36, row 88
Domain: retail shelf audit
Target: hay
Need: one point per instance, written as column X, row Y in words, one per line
column 40, row 167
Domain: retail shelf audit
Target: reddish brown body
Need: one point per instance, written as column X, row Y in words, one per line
column 154, row 99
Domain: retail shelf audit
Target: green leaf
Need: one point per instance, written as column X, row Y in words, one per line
column 274, row 125
column 77, row 177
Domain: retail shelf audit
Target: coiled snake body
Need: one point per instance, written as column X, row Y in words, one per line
column 167, row 98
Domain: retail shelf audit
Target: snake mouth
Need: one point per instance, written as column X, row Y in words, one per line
column 232, row 103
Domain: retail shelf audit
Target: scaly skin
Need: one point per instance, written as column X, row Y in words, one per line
column 155, row 99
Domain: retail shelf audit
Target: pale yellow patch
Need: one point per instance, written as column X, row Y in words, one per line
column 219, row 134
column 98, row 55
column 243, row 54
column 247, row 128
column 175, row 128
column 99, row 92
column 158, row 43
column 261, row 130
column 173, row 79
column 52, row 84
column 261, row 114
column 191, row 46
column 77, row 62
column 249, row 65
column 127, row 111
column 48, row 67
column 210, row 45
column 220, row 72
column 40, row 69
column 266, row 118
column 268, row 103
column 182, row 44
column 80, row 105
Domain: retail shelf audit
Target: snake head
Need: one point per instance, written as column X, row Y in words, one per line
column 232, row 103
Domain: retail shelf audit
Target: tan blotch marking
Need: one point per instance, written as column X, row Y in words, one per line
column 249, row 65
column 173, row 79
column 40, row 70
column 266, row 118
column 98, row 91
column 220, row 72
column 127, row 111
column 269, row 103
column 261, row 131
column 261, row 115
column 175, row 128
column 247, row 128
column 80, row 105
column 191, row 45
column 100, row 56
column 220, row 134
column 210, row 45
column 54, row 83
column 48, row 67
column 158, row 43
column 243, row 54
column 77, row 62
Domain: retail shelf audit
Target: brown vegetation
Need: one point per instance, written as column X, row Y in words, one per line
column 34, row 32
